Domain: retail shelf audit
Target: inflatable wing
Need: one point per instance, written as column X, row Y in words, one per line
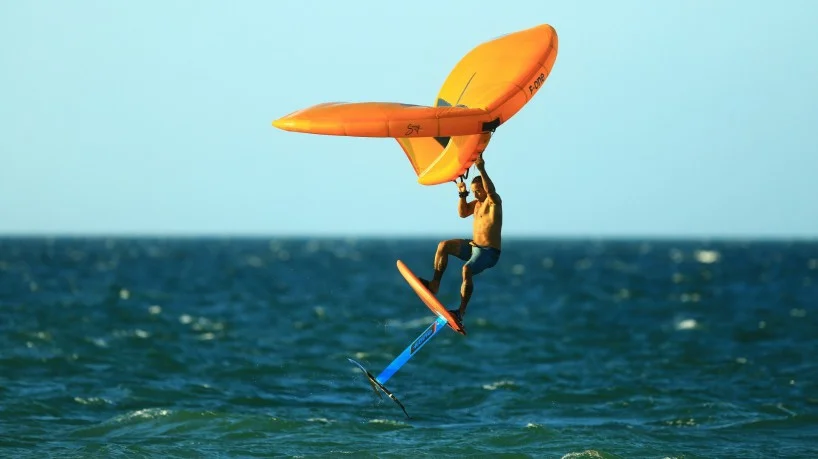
column 485, row 89
column 384, row 119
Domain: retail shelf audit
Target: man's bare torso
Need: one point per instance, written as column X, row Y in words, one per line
column 488, row 223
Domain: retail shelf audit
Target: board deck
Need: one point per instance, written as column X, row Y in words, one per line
column 429, row 298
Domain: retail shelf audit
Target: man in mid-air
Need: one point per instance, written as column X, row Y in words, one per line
column 483, row 250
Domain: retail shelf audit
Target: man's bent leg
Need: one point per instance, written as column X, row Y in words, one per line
column 444, row 249
column 480, row 260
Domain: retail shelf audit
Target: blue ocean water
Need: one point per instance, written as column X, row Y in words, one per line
column 238, row 347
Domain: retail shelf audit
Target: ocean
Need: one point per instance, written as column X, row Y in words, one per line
column 238, row 347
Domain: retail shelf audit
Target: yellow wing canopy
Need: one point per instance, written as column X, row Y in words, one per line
column 485, row 89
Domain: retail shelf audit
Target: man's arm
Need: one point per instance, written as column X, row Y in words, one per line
column 488, row 185
column 465, row 209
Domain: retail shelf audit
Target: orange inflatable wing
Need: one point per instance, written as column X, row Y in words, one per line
column 439, row 160
column 384, row 119
column 487, row 87
column 503, row 74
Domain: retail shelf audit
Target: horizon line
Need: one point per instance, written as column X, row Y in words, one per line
column 403, row 236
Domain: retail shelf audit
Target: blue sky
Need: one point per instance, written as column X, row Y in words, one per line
column 667, row 119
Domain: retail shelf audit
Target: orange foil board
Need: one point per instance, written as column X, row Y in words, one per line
column 429, row 298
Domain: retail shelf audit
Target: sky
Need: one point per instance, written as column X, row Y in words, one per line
column 693, row 118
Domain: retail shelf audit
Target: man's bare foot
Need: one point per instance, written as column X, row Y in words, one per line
column 432, row 285
column 457, row 315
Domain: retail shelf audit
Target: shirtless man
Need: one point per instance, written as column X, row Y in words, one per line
column 481, row 252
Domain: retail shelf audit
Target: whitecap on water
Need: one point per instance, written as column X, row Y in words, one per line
column 147, row 413
column 99, row 342
column 387, row 421
column 707, row 256
column 584, row 454
column 687, row 324
column 321, row 420
column 93, row 401
column 498, row 384
column 141, row 333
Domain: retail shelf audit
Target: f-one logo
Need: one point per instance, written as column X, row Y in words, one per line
column 537, row 83
column 423, row 338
